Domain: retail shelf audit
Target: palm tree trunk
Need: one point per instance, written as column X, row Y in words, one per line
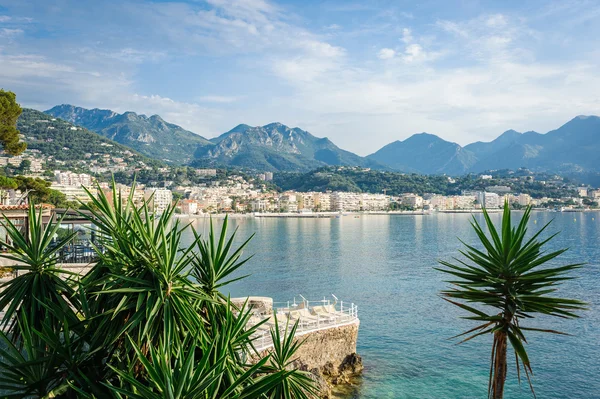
column 498, row 365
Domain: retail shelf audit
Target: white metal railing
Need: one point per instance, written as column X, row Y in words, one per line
column 287, row 313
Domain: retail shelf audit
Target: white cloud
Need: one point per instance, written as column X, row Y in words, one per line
column 413, row 52
column 10, row 33
column 464, row 80
column 386, row 53
column 407, row 35
column 496, row 21
column 4, row 18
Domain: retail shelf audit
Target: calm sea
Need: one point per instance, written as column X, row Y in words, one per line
column 385, row 265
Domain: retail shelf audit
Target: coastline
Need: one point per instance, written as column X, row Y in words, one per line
column 307, row 215
column 358, row 214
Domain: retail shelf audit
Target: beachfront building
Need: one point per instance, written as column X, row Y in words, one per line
column 343, row 201
column 489, row 200
column 412, row 200
column 375, row 202
column 188, row 207
column 441, row 202
column 463, row 201
column 259, row 205
column 323, row 202
column 524, row 199
column 161, row 198
column 288, row 202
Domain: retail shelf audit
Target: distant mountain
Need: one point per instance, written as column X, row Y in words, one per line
column 572, row 148
column 482, row 149
column 61, row 144
column 276, row 147
column 427, row 154
column 151, row 136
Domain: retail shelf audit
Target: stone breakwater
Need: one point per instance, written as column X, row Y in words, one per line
column 329, row 354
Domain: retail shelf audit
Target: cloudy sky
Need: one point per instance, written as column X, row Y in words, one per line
column 362, row 73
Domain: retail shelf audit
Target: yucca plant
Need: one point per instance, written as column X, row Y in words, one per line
column 213, row 263
column 140, row 282
column 299, row 384
column 504, row 283
column 40, row 283
column 149, row 319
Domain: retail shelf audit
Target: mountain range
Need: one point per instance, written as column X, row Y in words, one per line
column 151, row 136
column 273, row 147
column 574, row 147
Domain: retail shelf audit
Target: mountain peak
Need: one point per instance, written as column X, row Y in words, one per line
column 274, row 124
column 151, row 136
column 425, row 135
column 425, row 153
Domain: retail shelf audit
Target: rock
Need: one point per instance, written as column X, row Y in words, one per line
column 321, row 384
column 352, row 365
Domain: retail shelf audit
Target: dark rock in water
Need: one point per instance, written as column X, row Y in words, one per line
column 352, row 365
column 329, row 376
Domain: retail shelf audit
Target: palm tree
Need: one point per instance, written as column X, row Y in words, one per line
column 504, row 283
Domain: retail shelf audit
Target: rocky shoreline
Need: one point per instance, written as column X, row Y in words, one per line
column 331, row 379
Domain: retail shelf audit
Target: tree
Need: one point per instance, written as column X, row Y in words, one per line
column 509, row 279
column 6, row 183
column 25, row 165
column 9, row 113
column 177, row 197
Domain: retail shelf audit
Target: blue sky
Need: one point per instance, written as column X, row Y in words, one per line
column 362, row 73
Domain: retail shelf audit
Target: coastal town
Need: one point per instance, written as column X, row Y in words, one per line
column 243, row 194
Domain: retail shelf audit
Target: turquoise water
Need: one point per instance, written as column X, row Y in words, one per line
column 385, row 265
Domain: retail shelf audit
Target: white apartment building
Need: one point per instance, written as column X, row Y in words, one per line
column 73, row 179
column 161, row 198
column 524, row 199
column 189, row 207
column 72, row 192
column 582, row 191
column 464, row 201
column 413, row 200
column 488, row 200
column 375, row 202
column 288, row 203
column 322, row 202
column 206, row 172
column 343, row 201
column 259, row 205
column 441, row 202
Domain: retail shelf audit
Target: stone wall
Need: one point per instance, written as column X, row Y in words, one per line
column 331, row 345
column 330, row 355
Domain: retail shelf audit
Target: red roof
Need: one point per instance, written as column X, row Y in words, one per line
column 23, row 207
